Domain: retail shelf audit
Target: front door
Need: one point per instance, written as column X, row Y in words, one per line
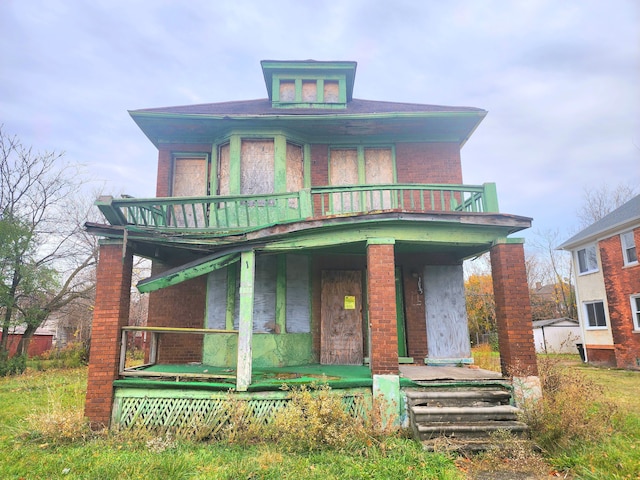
column 341, row 318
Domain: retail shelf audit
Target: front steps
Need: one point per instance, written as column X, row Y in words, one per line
column 462, row 417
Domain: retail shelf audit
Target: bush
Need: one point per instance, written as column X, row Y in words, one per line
column 573, row 409
column 12, row 365
column 74, row 355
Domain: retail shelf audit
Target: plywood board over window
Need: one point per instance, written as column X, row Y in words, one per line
column 189, row 180
column 343, row 170
column 223, row 170
column 309, row 91
column 287, row 91
column 378, row 167
column 331, row 91
column 295, row 171
column 257, row 170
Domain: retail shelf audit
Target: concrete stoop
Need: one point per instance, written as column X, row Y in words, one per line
column 462, row 418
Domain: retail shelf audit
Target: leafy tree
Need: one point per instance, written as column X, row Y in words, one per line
column 481, row 307
column 44, row 261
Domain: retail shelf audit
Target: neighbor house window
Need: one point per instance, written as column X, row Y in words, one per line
column 595, row 315
column 629, row 248
column 635, row 311
column 587, row 259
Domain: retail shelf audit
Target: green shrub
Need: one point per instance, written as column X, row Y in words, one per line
column 12, row 365
column 73, row 355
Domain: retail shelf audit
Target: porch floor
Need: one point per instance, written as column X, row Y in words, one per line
column 201, row 376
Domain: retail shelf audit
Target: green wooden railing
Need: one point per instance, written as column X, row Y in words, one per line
column 248, row 212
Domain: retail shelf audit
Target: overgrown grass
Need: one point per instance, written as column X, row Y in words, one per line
column 588, row 421
column 45, row 437
column 485, row 357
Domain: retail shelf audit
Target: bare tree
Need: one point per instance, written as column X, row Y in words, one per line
column 46, row 259
column 598, row 202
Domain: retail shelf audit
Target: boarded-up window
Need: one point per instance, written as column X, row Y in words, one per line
column 189, row 180
column 217, row 299
column 331, row 92
column 295, row 171
column 257, row 170
column 223, row 171
column 264, row 301
column 287, row 91
column 343, row 170
column 298, row 315
column 309, row 91
column 378, row 167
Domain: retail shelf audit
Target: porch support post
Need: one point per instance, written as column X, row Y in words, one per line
column 381, row 298
column 383, row 328
column 111, row 313
column 513, row 316
column 245, row 329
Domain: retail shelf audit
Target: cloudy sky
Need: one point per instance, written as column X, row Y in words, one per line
column 560, row 79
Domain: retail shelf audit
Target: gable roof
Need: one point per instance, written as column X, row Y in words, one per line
column 565, row 321
column 625, row 216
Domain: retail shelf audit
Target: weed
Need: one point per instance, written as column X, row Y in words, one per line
column 57, row 424
column 572, row 409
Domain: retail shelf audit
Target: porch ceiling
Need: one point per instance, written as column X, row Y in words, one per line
column 458, row 234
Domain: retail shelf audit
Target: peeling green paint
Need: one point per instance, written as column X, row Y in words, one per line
column 269, row 350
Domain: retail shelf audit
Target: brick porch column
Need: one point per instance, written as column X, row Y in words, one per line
column 381, row 297
column 111, row 312
column 513, row 309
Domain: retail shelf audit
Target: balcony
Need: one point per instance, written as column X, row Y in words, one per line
column 243, row 213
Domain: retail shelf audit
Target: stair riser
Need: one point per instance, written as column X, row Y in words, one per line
column 466, row 435
column 457, row 402
column 464, row 418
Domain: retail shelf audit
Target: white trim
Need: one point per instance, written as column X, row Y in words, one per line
column 586, row 318
column 628, row 247
column 635, row 311
column 589, row 270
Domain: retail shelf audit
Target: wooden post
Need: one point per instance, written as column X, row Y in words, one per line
column 245, row 328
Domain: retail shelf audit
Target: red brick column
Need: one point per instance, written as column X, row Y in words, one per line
column 513, row 310
column 381, row 298
column 113, row 291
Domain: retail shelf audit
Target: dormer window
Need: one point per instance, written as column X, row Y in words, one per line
column 309, row 84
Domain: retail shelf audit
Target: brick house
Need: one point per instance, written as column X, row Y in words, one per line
column 608, row 286
column 308, row 230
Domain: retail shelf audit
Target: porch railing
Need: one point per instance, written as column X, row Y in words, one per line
column 248, row 212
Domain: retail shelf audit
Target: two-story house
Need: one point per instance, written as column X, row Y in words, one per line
column 306, row 235
column 605, row 260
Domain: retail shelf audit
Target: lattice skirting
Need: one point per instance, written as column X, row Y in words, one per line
column 207, row 412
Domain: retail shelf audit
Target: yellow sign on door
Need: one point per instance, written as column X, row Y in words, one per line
column 349, row 302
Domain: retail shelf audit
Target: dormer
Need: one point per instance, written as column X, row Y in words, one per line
column 309, row 83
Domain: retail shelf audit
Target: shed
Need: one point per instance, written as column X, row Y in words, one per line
column 556, row 335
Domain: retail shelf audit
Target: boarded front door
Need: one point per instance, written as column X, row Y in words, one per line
column 341, row 324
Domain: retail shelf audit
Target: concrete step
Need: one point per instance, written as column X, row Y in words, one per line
column 459, row 397
column 425, row 415
column 475, row 430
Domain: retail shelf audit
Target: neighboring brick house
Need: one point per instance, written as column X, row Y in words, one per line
column 608, row 286
column 307, row 228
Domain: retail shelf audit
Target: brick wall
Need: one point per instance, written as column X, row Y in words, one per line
column 381, row 296
column 113, row 290
column 620, row 283
column 428, row 163
column 183, row 306
column 513, row 310
column 601, row 356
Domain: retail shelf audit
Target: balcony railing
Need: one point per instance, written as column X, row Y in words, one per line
column 249, row 212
